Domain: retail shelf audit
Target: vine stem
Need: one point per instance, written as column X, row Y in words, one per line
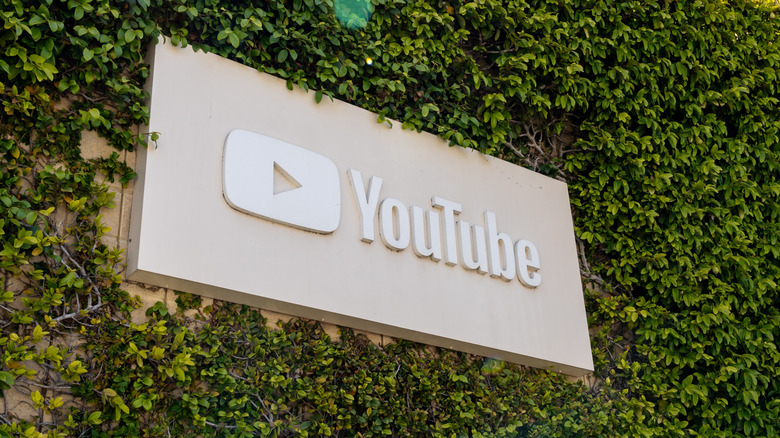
column 75, row 314
column 220, row 425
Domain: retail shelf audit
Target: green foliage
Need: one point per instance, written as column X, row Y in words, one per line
column 677, row 192
column 234, row 376
column 662, row 116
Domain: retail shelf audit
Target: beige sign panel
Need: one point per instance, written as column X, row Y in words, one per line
column 258, row 195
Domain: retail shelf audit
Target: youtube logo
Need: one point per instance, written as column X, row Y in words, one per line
column 281, row 182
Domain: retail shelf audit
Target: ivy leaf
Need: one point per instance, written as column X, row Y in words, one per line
column 6, row 380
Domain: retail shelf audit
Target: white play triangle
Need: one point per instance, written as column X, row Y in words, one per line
column 283, row 181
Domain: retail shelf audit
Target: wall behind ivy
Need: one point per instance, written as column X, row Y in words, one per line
column 662, row 116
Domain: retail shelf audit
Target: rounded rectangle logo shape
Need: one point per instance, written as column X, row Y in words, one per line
column 281, row 182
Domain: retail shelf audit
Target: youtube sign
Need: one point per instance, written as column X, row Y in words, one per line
column 259, row 195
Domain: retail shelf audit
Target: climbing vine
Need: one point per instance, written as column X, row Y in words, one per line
column 662, row 116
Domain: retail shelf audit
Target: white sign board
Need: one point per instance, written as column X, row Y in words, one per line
column 258, row 195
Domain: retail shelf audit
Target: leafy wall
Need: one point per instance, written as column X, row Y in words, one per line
column 662, row 116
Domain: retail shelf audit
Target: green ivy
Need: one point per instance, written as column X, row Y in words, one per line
column 229, row 374
column 663, row 117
